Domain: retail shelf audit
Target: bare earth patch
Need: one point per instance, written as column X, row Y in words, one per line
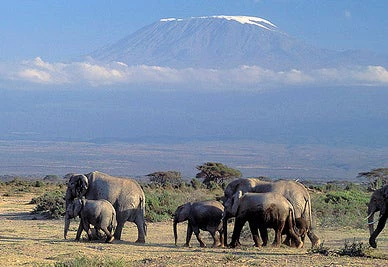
column 27, row 240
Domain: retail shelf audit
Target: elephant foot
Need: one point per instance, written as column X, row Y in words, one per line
column 109, row 239
column 216, row 245
column 202, row 245
column 234, row 245
column 186, row 245
column 372, row 243
column 300, row 245
column 140, row 240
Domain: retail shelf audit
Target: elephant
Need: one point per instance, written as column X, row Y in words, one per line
column 263, row 211
column 293, row 191
column 201, row 215
column 378, row 202
column 99, row 213
column 126, row 196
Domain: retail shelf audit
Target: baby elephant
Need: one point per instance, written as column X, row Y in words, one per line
column 204, row 215
column 99, row 213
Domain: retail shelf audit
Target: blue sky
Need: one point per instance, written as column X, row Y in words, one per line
column 63, row 30
column 42, row 42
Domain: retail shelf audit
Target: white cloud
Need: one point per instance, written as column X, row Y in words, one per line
column 72, row 75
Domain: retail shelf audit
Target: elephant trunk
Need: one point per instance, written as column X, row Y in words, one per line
column 67, row 224
column 175, row 231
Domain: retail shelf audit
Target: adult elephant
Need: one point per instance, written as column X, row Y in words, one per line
column 378, row 202
column 294, row 192
column 126, row 196
column 201, row 215
column 262, row 211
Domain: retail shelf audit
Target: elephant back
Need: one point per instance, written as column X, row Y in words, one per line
column 123, row 193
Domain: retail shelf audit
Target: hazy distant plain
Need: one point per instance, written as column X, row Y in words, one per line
column 312, row 162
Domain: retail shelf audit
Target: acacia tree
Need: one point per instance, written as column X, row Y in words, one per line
column 377, row 177
column 216, row 172
column 166, row 177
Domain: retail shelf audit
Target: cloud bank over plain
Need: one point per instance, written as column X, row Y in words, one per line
column 40, row 74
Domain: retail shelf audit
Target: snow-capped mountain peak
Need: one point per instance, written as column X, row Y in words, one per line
column 263, row 23
column 220, row 42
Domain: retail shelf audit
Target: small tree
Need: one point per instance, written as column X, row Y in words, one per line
column 216, row 172
column 377, row 177
column 166, row 177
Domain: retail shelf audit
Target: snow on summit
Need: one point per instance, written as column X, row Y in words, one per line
column 241, row 19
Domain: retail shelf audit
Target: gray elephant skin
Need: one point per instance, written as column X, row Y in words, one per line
column 263, row 211
column 99, row 213
column 126, row 196
column 202, row 215
column 378, row 202
column 294, row 192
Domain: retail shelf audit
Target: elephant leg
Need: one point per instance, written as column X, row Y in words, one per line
column 315, row 241
column 379, row 228
column 87, row 229
column 109, row 236
column 287, row 241
column 119, row 229
column 141, row 230
column 278, row 233
column 264, row 235
column 238, row 225
column 221, row 238
column 189, row 233
column 255, row 233
column 216, row 238
column 79, row 231
column 197, row 234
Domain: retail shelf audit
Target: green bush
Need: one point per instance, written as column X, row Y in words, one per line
column 50, row 204
column 341, row 207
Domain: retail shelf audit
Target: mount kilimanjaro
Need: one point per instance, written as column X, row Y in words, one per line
column 225, row 42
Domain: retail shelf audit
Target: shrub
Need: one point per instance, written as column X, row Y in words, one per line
column 355, row 249
column 341, row 207
column 50, row 204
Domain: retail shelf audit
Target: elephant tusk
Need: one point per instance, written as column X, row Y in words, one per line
column 375, row 221
column 370, row 214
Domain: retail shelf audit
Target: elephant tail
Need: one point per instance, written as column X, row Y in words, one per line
column 113, row 222
column 142, row 213
column 307, row 207
column 292, row 221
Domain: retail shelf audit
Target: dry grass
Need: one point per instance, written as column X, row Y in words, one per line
column 29, row 241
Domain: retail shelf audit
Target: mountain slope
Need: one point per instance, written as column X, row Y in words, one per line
column 224, row 42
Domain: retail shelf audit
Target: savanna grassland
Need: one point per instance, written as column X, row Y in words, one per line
column 30, row 239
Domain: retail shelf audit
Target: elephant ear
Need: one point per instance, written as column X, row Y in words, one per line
column 82, row 185
column 385, row 192
column 236, row 201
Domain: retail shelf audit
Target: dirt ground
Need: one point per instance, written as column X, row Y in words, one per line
column 26, row 240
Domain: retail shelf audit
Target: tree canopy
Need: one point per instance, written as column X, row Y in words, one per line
column 377, row 177
column 166, row 177
column 216, row 172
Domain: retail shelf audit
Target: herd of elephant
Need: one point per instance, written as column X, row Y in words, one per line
column 107, row 202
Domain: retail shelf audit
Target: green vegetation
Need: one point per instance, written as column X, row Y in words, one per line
column 377, row 178
column 83, row 261
column 51, row 204
column 340, row 205
column 217, row 173
column 173, row 178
